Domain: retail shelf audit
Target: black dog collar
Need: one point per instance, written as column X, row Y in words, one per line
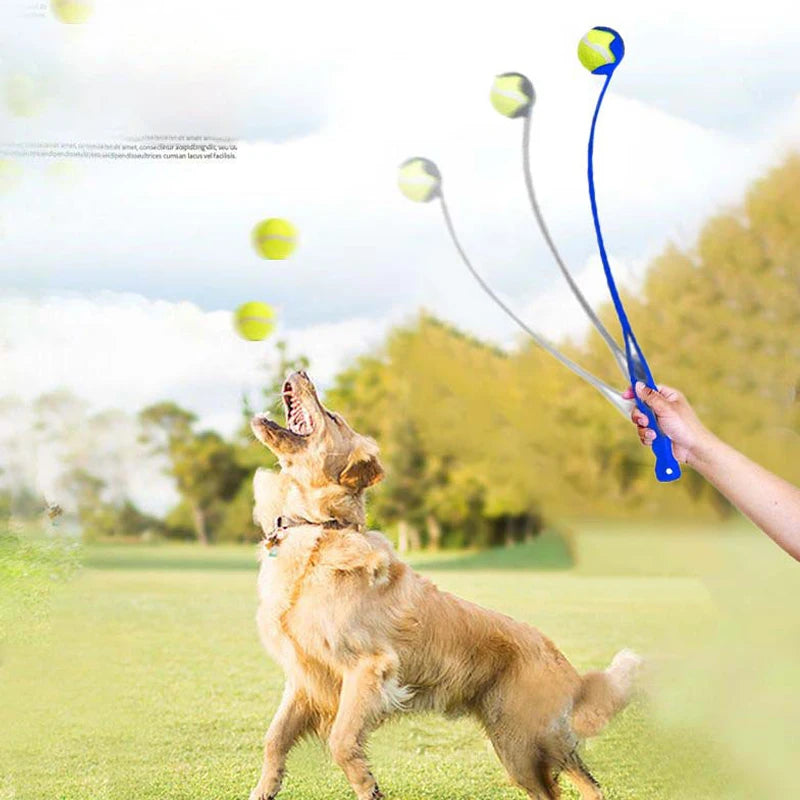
column 283, row 523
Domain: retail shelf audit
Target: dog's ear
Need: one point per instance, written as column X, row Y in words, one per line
column 363, row 469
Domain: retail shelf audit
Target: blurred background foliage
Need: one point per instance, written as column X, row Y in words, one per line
column 483, row 446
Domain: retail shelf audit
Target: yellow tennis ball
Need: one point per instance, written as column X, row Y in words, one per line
column 274, row 238
column 254, row 321
column 601, row 50
column 419, row 180
column 72, row 12
column 512, row 95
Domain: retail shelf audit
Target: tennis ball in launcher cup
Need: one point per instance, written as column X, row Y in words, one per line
column 601, row 50
column 72, row 12
column 254, row 321
column 419, row 179
column 274, row 238
column 512, row 95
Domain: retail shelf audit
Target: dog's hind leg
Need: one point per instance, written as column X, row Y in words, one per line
column 292, row 719
column 362, row 703
column 528, row 767
column 584, row 781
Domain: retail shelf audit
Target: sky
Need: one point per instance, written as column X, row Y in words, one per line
column 118, row 278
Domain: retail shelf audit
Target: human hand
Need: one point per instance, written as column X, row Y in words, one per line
column 675, row 417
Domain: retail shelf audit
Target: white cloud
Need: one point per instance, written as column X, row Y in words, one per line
column 556, row 313
column 378, row 88
column 125, row 351
column 181, row 231
column 177, row 67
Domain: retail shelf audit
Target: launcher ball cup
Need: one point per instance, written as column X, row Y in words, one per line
column 254, row 321
column 512, row 95
column 274, row 239
column 419, row 180
column 601, row 50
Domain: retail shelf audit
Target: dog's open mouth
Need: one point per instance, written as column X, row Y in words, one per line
column 298, row 420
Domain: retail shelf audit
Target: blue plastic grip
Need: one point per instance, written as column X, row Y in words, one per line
column 667, row 466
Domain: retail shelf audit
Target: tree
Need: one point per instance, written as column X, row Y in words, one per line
column 438, row 431
column 100, row 518
column 207, row 474
column 203, row 465
column 480, row 444
column 96, row 517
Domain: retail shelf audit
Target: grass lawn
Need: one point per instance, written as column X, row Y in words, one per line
column 148, row 680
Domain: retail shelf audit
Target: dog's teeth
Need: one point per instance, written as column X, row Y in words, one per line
column 298, row 419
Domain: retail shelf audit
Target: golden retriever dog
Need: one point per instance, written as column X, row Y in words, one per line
column 361, row 636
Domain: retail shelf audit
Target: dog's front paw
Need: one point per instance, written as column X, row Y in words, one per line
column 262, row 794
column 370, row 794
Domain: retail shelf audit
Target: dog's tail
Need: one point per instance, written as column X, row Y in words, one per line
column 603, row 694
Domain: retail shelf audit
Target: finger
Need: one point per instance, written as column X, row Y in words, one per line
column 670, row 393
column 652, row 398
column 646, row 436
column 639, row 418
column 628, row 394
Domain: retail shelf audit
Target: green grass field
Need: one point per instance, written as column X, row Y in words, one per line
column 148, row 680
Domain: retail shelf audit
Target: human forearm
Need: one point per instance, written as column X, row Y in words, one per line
column 770, row 502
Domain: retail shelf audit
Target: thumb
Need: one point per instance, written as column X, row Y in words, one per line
column 651, row 397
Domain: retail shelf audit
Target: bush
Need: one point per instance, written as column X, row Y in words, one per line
column 30, row 567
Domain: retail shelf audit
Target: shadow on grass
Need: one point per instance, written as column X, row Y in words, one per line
column 551, row 550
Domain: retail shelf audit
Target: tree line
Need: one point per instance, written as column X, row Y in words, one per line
column 482, row 445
